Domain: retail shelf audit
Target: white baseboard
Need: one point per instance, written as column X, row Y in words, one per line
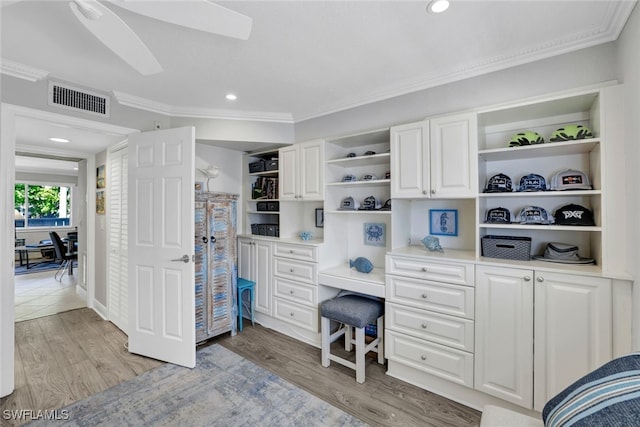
column 99, row 308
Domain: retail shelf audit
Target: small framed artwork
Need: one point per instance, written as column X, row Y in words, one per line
column 100, row 202
column 319, row 217
column 100, row 177
column 374, row 234
column 199, row 187
column 443, row 222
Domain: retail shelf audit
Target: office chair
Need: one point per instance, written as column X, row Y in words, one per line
column 65, row 257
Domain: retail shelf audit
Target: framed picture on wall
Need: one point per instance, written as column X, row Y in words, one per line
column 319, row 218
column 375, row 234
column 100, row 202
column 443, row 222
column 100, row 177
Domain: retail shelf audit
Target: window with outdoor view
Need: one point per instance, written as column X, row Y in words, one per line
column 42, row 205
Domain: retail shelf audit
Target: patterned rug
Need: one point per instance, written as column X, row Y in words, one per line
column 39, row 266
column 224, row 389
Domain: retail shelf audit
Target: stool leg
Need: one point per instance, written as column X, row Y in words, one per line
column 325, row 331
column 240, row 311
column 360, row 355
column 380, row 333
column 252, row 303
column 348, row 338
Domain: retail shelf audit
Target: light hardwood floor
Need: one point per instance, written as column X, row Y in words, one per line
column 72, row 355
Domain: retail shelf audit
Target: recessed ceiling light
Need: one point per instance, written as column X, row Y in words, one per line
column 231, row 96
column 437, row 6
column 61, row 140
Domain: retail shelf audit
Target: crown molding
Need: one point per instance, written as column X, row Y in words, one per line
column 616, row 17
column 21, row 71
column 202, row 113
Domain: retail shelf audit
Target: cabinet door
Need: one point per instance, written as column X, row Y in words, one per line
column 504, row 334
column 263, row 276
column 246, row 259
column 572, row 330
column 312, row 170
column 288, row 173
column 454, row 162
column 410, row 160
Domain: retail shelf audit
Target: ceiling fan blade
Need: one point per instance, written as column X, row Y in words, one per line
column 195, row 14
column 116, row 35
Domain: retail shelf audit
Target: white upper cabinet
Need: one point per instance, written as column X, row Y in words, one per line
column 410, row 160
column 302, row 171
column 453, row 146
column 435, row 158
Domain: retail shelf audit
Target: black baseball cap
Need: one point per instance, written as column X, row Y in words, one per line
column 574, row 214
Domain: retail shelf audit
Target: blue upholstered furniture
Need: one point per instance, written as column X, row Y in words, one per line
column 607, row 396
column 352, row 312
column 245, row 285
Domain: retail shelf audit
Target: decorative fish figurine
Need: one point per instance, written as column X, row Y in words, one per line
column 361, row 264
column 432, row 244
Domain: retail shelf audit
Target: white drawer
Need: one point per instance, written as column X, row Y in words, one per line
column 295, row 291
column 301, row 252
column 450, row 272
column 306, row 272
column 441, row 297
column 296, row 314
column 442, row 329
column 448, row 363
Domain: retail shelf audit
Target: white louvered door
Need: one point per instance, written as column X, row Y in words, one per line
column 117, row 212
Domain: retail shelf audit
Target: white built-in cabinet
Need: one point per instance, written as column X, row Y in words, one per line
column 538, row 331
column 302, row 171
column 254, row 264
column 435, row 158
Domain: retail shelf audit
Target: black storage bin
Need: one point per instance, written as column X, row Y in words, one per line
column 255, row 228
column 268, row 206
column 257, row 166
column 271, row 165
column 272, row 230
column 507, row 247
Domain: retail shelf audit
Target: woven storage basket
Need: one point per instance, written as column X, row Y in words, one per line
column 507, row 247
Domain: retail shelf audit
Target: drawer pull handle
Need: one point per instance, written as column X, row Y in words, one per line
column 291, row 314
column 290, row 251
column 425, row 269
column 540, row 279
column 527, row 278
column 424, row 326
column 424, row 296
column 291, row 291
column 423, row 357
column 291, row 270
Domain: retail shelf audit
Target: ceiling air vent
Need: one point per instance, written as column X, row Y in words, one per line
column 77, row 99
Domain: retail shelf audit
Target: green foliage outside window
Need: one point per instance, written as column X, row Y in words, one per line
column 43, row 201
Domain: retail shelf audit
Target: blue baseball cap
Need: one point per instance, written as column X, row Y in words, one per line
column 534, row 215
column 532, row 182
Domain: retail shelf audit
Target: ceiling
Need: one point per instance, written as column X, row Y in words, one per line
column 304, row 59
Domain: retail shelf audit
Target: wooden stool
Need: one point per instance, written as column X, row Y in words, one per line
column 245, row 285
column 352, row 311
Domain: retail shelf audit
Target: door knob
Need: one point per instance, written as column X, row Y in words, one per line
column 184, row 258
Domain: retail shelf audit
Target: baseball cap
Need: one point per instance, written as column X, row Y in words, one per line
column 369, row 177
column 499, row 216
column 570, row 179
column 349, row 178
column 348, row 204
column 369, row 153
column 369, row 204
column 386, row 206
column 351, row 155
column 534, row 215
column 499, row 183
column 562, row 253
column 573, row 214
column 532, row 182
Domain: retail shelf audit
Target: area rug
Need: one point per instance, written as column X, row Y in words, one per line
column 224, row 389
column 39, row 266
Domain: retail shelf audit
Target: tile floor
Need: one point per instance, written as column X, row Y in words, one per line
column 39, row 294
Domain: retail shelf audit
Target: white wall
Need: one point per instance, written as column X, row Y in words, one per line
column 100, row 238
column 628, row 54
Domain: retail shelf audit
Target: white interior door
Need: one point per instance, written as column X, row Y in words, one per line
column 118, row 239
column 161, row 230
